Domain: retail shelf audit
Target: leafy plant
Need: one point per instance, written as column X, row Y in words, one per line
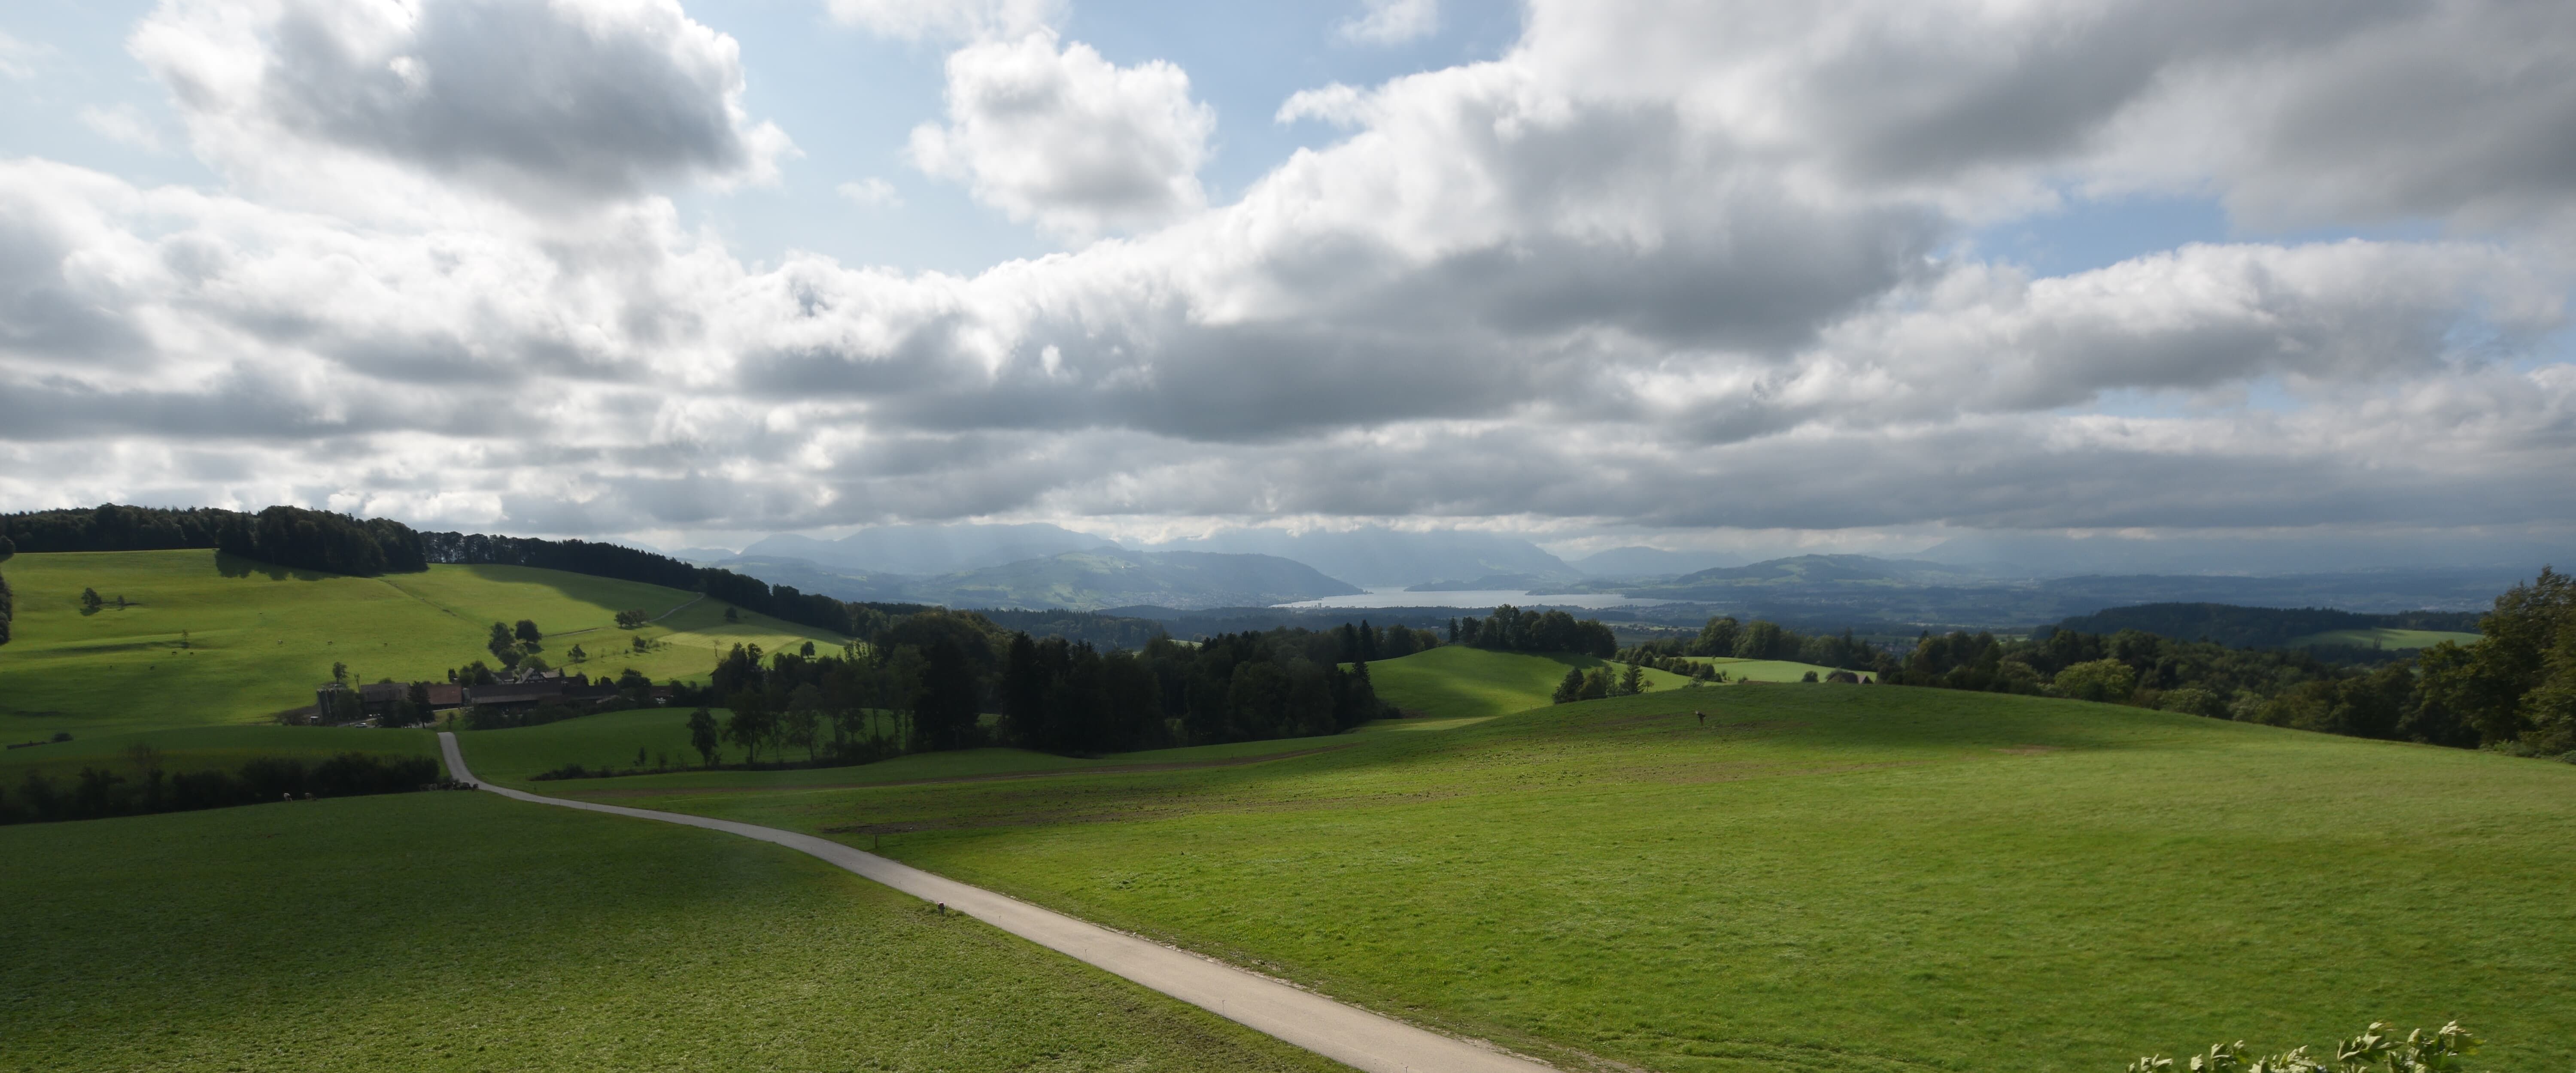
column 2376, row 1050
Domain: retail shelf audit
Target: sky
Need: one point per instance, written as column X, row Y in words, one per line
column 1864, row 276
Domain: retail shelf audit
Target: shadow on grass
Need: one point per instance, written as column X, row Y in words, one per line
column 235, row 566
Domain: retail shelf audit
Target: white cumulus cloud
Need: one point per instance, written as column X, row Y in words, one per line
column 1063, row 138
column 541, row 102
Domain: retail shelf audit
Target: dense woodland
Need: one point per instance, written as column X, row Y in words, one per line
column 2514, row 690
column 923, row 682
column 1510, row 629
column 2258, row 627
column 1724, row 637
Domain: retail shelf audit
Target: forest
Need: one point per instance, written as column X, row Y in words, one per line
column 1724, row 637
column 2514, row 690
column 2257, row 627
column 922, row 683
column 1510, row 629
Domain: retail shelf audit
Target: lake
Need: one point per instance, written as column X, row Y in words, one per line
column 1483, row 600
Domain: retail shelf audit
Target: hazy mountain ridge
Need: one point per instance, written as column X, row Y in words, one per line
column 1103, row 576
column 927, row 550
column 1389, row 557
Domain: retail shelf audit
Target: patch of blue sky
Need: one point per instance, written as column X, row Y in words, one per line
column 2091, row 233
column 70, row 93
column 850, row 100
column 2263, row 394
column 1246, row 58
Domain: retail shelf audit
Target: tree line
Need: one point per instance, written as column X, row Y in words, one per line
column 1726, row 638
column 102, row 791
column 2513, row 690
column 2258, row 627
column 926, row 681
column 281, row 536
column 1510, row 629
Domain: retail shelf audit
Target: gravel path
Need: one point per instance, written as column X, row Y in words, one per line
column 1345, row 1034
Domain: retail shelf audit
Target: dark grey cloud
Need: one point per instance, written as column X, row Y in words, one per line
column 548, row 102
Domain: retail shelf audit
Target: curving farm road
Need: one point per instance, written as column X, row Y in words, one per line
column 1345, row 1034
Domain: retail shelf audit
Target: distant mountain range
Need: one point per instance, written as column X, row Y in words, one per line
column 1967, row 582
column 1377, row 557
column 1860, row 590
column 1366, row 556
column 927, row 549
column 1103, row 576
column 1642, row 562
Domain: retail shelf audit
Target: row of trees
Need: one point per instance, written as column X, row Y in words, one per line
column 1362, row 642
column 322, row 540
column 2514, row 689
column 929, row 678
column 1725, row 637
column 8, row 608
column 283, row 536
column 145, row 786
column 1511, row 629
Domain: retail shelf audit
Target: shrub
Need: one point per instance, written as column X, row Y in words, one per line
column 2100, row 680
column 2377, row 1048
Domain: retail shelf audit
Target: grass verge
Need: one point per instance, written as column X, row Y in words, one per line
column 455, row 931
column 1822, row 877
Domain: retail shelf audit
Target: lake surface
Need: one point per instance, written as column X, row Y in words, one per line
column 1482, row 600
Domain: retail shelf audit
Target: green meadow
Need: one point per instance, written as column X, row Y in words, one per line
column 1456, row 682
column 461, row 931
column 209, row 639
column 1820, row 877
column 2386, row 637
column 1763, row 670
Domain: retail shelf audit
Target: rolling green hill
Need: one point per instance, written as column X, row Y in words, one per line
column 1821, row 878
column 209, row 639
column 459, row 931
column 1455, row 681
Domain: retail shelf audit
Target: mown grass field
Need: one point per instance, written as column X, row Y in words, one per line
column 457, row 931
column 1455, row 681
column 258, row 639
column 2387, row 638
column 1822, row 878
column 1764, row 670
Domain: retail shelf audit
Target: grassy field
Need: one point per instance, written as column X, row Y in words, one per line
column 455, row 931
column 221, row 748
column 258, row 639
column 2387, row 638
column 1455, row 681
column 1822, row 878
column 1764, row 670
